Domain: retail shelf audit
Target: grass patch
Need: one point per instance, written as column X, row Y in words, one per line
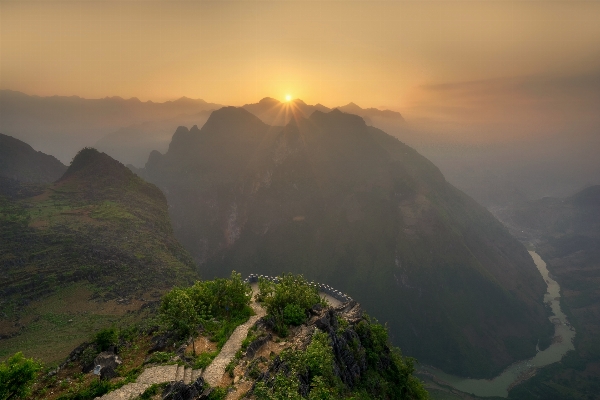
column 203, row 360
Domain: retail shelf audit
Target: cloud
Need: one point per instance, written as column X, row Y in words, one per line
column 525, row 104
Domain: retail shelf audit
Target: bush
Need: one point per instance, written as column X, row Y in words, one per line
column 183, row 309
column 221, row 297
column 287, row 300
column 293, row 314
column 316, row 362
column 95, row 389
column 16, row 376
column 106, row 338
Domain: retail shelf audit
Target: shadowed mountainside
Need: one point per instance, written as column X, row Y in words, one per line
column 19, row 161
column 344, row 203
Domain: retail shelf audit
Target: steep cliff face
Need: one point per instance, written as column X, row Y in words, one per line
column 346, row 204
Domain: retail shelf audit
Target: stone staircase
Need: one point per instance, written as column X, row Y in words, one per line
column 150, row 376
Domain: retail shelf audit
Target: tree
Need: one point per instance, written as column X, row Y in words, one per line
column 178, row 311
column 16, row 376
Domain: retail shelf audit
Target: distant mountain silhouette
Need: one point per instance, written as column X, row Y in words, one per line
column 274, row 112
column 368, row 113
column 132, row 144
column 61, row 125
column 346, row 204
column 19, row 161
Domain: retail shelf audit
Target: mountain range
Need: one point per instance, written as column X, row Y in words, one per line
column 274, row 112
column 346, row 204
column 62, row 125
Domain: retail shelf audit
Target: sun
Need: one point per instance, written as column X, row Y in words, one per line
column 288, row 97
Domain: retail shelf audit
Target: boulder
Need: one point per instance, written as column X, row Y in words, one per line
column 316, row 309
column 108, row 373
column 107, row 359
column 159, row 342
column 257, row 344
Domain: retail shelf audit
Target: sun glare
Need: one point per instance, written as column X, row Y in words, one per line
column 288, row 97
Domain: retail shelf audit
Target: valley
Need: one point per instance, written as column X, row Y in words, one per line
column 519, row 372
column 348, row 205
column 253, row 197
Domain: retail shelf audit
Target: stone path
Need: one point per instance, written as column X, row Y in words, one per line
column 150, row 376
column 214, row 372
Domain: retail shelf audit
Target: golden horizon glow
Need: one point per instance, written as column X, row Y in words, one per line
column 401, row 56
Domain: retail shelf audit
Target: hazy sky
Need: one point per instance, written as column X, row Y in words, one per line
column 414, row 57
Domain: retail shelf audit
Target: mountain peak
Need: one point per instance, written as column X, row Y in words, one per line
column 88, row 158
column 268, row 100
column 227, row 117
column 97, row 169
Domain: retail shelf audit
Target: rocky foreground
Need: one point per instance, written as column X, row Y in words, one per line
column 164, row 366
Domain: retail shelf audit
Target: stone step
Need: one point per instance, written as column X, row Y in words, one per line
column 187, row 375
column 160, row 374
column 180, row 371
column 127, row 392
column 196, row 373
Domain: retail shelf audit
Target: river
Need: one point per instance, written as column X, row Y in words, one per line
column 521, row 370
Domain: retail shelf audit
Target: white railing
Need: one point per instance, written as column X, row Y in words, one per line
column 336, row 294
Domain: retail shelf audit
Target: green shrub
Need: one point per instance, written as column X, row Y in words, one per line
column 16, row 376
column 218, row 394
column 203, row 360
column 319, row 357
column 221, row 297
column 293, row 314
column 152, row 391
column 88, row 355
column 316, row 361
column 106, row 338
column 95, row 389
column 230, row 367
column 288, row 300
column 183, row 309
column 160, row 357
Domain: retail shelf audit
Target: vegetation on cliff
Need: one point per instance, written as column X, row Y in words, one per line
column 337, row 352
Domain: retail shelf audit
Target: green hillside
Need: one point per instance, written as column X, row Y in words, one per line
column 346, row 204
column 93, row 246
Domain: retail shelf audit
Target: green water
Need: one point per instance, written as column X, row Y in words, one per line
column 498, row 386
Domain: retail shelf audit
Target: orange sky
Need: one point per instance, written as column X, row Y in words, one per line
column 389, row 53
